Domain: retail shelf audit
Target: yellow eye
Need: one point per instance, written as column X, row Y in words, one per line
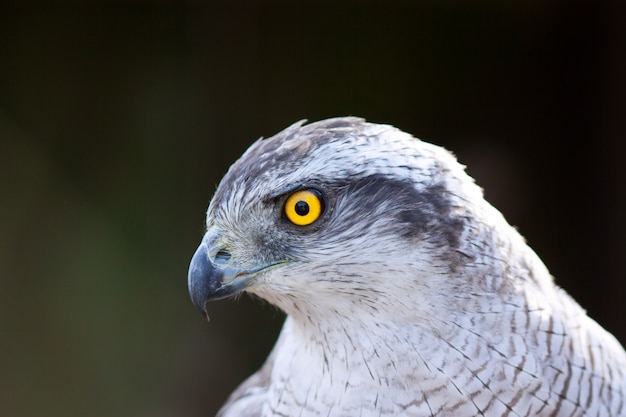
column 304, row 207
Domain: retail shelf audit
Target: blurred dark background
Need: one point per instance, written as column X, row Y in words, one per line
column 118, row 120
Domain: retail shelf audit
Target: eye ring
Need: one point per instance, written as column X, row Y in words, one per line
column 304, row 207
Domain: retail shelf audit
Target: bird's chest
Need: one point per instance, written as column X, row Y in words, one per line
column 324, row 386
column 420, row 376
column 361, row 378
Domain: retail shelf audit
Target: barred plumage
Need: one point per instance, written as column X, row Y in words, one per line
column 410, row 294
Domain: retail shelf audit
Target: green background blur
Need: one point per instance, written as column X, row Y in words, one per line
column 118, row 120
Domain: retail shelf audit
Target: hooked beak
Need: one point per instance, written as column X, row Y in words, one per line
column 210, row 276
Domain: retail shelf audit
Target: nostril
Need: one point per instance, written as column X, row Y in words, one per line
column 222, row 256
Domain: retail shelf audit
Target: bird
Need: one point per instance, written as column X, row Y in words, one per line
column 406, row 293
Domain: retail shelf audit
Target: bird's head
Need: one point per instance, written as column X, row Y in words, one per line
column 335, row 210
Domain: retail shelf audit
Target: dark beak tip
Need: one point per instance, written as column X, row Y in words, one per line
column 201, row 279
column 199, row 299
column 206, row 315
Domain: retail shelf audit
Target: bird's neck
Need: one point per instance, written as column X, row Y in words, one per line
column 365, row 361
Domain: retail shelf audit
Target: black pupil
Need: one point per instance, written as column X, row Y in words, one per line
column 302, row 208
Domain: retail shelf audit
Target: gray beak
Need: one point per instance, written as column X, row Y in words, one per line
column 211, row 274
column 210, row 281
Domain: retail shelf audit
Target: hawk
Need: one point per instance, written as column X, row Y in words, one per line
column 406, row 293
